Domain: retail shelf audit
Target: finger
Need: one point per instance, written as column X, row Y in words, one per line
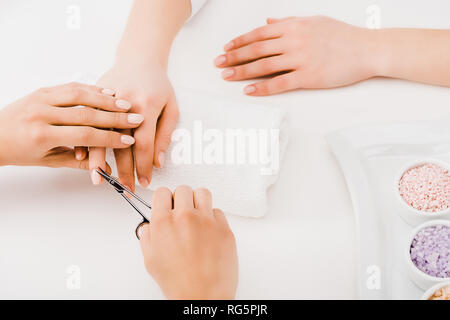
column 220, row 218
column 125, row 165
column 96, row 160
column 164, row 129
column 88, row 137
column 259, row 68
column 258, row 34
column 276, row 20
column 278, row 84
column 143, row 150
column 183, row 198
column 77, row 94
column 203, row 200
column 93, row 118
column 162, row 200
column 80, row 153
column 64, row 157
column 145, row 239
column 253, row 51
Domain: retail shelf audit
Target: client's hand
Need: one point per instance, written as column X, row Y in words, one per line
column 38, row 129
column 188, row 246
column 147, row 87
column 312, row 52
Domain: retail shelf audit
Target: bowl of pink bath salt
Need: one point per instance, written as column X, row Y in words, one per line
column 423, row 191
column 428, row 253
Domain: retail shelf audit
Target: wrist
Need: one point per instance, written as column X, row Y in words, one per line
column 380, row 55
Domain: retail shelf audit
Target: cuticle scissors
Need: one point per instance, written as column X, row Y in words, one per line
column 121, row 189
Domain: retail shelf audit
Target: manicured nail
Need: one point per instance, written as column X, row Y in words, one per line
column 127, row 139
column 78, row 154
column 95, row 177
column 249, row 89
column 220, row 60
column 227, row 73
column 143, row 182
column 122, row 104
column 135, row 118
column 109, row 92
column 161, row 158
column 228, row 46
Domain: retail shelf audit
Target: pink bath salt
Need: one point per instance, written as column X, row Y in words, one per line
column 426, row 188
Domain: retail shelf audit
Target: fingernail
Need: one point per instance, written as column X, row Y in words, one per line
column 135, row 118
column 122, row 104
column 249, row 89
column 228, row 46
column 161, row 158
column 109, row 92
column 127, row 139
column 220, row 60
column 78, row 154
column 143, row 182
column 227, row 73
column 95, row 177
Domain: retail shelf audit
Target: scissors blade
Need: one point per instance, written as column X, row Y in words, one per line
column 120, row 187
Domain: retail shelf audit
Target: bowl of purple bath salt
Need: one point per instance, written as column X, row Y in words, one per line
column 428, row 253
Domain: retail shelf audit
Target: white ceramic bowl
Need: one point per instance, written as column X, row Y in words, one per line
column 433, row 289
column 411, row 215
column 420, row 278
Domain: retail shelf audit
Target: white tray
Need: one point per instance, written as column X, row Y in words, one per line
column 370, row 157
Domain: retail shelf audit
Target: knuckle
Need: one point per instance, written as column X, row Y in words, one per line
column 164, row 139
column 38, row 135
column 203, row 192
column 228, row 234
column 267, row 65
column 84, row 115
column 152, row 101
column 86, row 134
column 73, row 84
column 232, row 56
column 111, row 138
column 182, row 188
column 161, row 191
column 74, row 93
column 32, row 113
column 186, row 215
column 281, row 82
column 259, row 32
column 257, row 48
column 119, row 118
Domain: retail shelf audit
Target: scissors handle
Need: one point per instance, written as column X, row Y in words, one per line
column 145, row 221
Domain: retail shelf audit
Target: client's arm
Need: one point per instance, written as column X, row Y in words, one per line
column 188, row 247
column 42, row 128
column 320, row 52
column 140, row 76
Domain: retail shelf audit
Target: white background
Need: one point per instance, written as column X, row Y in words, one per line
column 306, row 247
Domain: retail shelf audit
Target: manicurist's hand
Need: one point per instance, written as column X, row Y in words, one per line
column 42, row 128
column 188, row 246
column 311, row 52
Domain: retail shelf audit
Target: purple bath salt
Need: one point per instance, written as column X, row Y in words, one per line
column 430, row 251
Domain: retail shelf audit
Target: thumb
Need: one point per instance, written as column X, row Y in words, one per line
column 164, row 128
column 144, row 241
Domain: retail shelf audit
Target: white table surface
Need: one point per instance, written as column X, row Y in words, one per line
column 304, row 248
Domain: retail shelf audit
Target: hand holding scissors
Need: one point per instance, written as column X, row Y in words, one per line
column 121, row 189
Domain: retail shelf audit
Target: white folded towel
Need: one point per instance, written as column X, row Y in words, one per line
column 232, row 148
